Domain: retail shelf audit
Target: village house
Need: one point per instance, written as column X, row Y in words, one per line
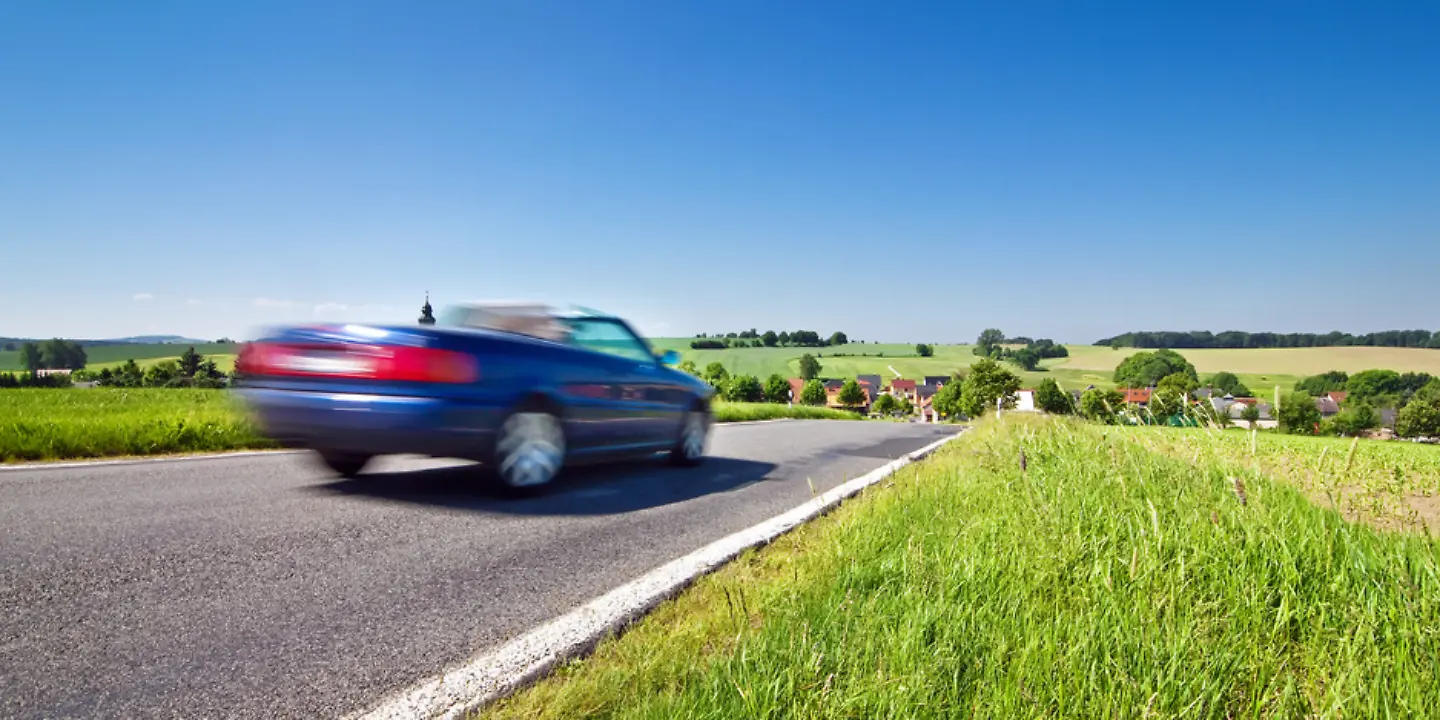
column 902, row 388
column 1024, row 400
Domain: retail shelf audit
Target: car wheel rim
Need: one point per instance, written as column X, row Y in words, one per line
column 532, row 449
column 693, row 444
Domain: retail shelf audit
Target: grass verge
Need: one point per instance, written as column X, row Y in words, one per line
column 1039, row 568
column 61, row 424
column 749, row 412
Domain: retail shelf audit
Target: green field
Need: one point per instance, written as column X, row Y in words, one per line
column 1261, row 370
column 1096, row 578
column 99, row 356
column 57, row 424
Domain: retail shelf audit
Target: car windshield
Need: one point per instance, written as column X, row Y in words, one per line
column 608, row 336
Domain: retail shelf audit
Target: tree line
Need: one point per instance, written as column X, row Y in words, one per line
column 769, row 338
column 191, row 370
column 993, row 344
column 1235, row 339
column 52, row 354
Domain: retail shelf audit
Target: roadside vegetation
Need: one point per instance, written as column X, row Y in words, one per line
column 1046, row 567
column 67, row 424
column 48, row 424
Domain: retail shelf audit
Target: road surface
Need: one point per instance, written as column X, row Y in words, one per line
column 260, row 586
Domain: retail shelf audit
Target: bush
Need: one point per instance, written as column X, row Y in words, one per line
column 1421, row 418
column 1297, row 414
column 744, row 388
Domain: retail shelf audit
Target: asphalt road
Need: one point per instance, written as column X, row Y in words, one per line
column 262, row 587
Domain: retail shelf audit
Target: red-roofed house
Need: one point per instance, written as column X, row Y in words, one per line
column 901, row 387
column 796, row 386
column 1337, row 395
column 1136, row 396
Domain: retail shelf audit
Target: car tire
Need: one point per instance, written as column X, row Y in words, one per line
column 689, row 449
column 346, row 465
column 529, row 451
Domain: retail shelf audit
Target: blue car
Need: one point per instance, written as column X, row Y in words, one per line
column 522, row 389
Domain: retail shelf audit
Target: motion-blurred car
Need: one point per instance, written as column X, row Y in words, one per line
column 520, row 388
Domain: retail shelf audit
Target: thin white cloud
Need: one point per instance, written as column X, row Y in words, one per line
column 139, row 297
column 272, row 303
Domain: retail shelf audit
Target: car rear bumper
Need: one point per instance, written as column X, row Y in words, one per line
column 374, row 424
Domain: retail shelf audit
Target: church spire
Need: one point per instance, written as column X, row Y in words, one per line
column 427, row 314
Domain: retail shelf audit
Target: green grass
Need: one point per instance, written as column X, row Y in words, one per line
column 98, row 356
column 1103, row 580
column 105, row 422
column 38, row 424
column 1393, row 485
column 749, row 412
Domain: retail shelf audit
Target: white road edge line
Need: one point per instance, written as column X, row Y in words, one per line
column 59, row 465
column 142, row 460
column 503, row 670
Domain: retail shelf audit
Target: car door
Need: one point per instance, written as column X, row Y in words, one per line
column 636, row 416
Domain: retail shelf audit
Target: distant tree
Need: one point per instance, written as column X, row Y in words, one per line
column 1171, row 395
column 851, row 394
column 688, row 366
column 708, row 344
column 809, row 367
column 1381, row 388
column 162, row 373
column 130, row 375
column 1026, row 358
column 1250, row 413
column 1229, row 383
column 1419, row 418
column 107, row 377
column 1298, row 414
column 989, row 342
column 62, row 354
column 10, row 347
column 924, row 350
column 838, row 338
column 1101, row 405
column 884, row 405
column 1050, row 398
column 1148, row 368
column 716, row 374
column 1317, row 385
column 905, row 406
column 31, row 357
column 190, row 362
column 777, row 389
column 812, row 393
column 744, row 388
column 784, row 338
column 770, row 339
column 1355, row 419
column 986, row 383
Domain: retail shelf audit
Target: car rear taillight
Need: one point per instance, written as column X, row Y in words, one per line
column 361, row 362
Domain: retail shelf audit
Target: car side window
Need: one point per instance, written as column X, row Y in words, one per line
column 610, row 338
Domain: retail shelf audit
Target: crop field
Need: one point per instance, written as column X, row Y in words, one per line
column 1260, row 369
column 1040, row 568
column 1281, row 361
column 57, row 424
column 99, row 356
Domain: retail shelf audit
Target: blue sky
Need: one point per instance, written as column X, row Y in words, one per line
column 900, row 171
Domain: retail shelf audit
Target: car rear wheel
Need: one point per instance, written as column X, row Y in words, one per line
column 694, row 434
column 344, row 464
column 530, row 450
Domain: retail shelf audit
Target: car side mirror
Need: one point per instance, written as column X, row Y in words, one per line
column 670, row 357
